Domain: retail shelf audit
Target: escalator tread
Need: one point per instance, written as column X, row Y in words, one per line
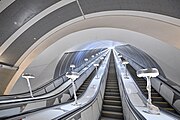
column 84, row 86
column 107, row 118
column 112, row 105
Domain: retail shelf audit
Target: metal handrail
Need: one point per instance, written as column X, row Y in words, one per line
column 160, row 76
column 85, row 106
column 129, row 103
column 71, row 113
column 43, row 86
column 21, row 115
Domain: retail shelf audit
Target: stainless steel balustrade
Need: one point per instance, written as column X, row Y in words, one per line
column 129, row 110
column 59, row 109
column 47, row 87
column 92, row 109
column 38, row 99
column 165, row 87
column 136, row 98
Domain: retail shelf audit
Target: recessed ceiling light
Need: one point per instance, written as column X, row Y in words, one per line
column 15, row 23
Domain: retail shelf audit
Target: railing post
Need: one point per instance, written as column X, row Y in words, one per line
column 27, row 76
column 148, row 73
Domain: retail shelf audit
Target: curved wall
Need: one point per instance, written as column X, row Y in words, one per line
column 161, row 52
column 30, row 31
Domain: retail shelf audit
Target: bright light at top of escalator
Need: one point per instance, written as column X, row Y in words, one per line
column 112, row 47
column 97, row 44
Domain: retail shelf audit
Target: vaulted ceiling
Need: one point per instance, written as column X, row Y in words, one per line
column 28, row 27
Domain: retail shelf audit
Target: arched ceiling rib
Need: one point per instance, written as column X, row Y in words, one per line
column 4, row 4
column 18, row 13
column 21, row 11
column 12, row 54
column 29, row 23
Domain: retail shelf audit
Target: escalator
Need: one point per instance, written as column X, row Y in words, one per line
column 112, row 107
column 157, row 99
column 79, row 92
column 84, row 86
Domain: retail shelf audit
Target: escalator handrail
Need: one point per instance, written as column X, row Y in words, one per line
column 30, row 100
column 145, row 100
column 15, row 96
column 50, row 97
column 159, row 76
column 161, row 79
column 22, row 115
column 35, row 99
column 71, row 113
column 85, row 106
column 129, row 103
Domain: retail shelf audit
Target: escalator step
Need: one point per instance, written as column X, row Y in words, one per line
column 142, row 86
column 112, row 90
column 153, row 94
column 80, row 91
column 112, row 97
column 112, row 114
column 85, row 83
column 112, row 94
column 107, row 118
column 78, row 94
column 161, row 104
column 112, row 84
column 111, row 87
column 112, row 108
column 155, row 98
column 112, row 102
column 111, row 79
column 83, row 87
column 170, row 110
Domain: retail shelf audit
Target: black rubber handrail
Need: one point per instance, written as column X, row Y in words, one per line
column 71, row 113
column 160, row 78
column 22, row 115
column 144, row 100
column 36, row 96
column 139, row 115
column 15, row 96
column 17, row 104
column 5, row 105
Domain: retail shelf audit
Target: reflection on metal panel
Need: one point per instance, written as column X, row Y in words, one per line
column 76, row 58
